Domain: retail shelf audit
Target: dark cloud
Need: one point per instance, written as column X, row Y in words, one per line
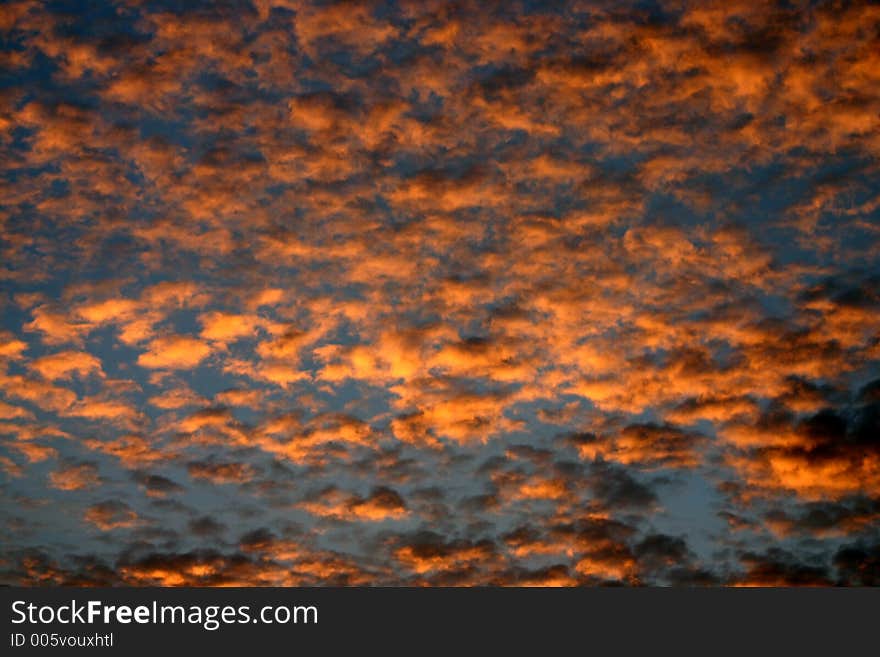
column 156, row 485
column 842, row 518
column 206, row 526
column 658, row 551
column 617, row 488
column 777, row 567
column 858, row 564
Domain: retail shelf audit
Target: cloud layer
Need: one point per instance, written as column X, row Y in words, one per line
column 440, row 293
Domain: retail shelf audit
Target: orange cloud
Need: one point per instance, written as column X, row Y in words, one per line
column 226, row 327
column 423, row 558
column 222, row 473
column 111, row 515
column 381, row 504
column 63, row 364
column 74, row 477
column 174, row 352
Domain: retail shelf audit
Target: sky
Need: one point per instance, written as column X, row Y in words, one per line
column 435, row 293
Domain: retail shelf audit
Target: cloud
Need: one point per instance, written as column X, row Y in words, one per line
column 110, row 410
column 226, row 327
column 156, row 485
column 648, row 445
column 206, row 526
column 132, row 450
column 221, row 473
column 824, row 456
column 381, row 504
column 10, row 412
column 74, row 477
column 54, row 327
column 110, row 515
column 858, row 564
column 777, row 567
column 174, row 352
column 63, row 364
column 826, row 519
column 10, row 347
column 428, row 554
column 38, row 392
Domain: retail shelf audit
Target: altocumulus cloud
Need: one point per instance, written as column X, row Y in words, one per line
column 430, row 293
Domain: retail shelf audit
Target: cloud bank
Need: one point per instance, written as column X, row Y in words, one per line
column 440, row 293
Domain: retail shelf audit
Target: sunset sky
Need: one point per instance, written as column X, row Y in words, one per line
column 434, row 293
